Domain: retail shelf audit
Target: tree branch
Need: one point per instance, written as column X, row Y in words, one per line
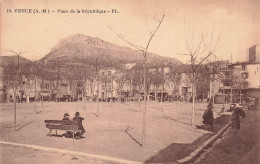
column 147, row 46
column 126, row 41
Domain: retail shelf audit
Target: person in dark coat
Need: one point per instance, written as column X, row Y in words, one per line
column 235, row 119
column 210, row 105
column 208, row 117
column 78, row 120
column 67, row 117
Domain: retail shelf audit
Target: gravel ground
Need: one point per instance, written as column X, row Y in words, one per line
column 169, row 135
column 21, row 155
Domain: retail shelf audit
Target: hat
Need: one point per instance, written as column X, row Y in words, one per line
column 77, row 113
column 66, row 114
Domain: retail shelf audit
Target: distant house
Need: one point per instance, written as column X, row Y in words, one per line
column 129, row 66
column 243, row 77
column 9, row 67
column 107, row 83
column 104, row 85
column 253, row 54
column 248, row 78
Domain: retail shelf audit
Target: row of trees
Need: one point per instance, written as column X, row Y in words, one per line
column 140, row 78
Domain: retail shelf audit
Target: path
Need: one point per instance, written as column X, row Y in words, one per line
column 242, row 147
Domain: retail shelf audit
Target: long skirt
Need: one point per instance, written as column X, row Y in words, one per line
column 235, row 122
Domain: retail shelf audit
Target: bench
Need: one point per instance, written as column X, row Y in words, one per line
column 65, row 125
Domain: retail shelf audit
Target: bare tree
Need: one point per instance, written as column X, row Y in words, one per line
column 9, row 76
column 204, row 81
column 236, row 80
column 213, row 69
column 175, row 77
column 137, row 77
column 98, row 59
column 195, row 51
column 120, row 80
column 157, row 79
column 15, row 83
column 144, row 51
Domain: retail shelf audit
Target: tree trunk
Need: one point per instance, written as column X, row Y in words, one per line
column 156, row 94
column 27, row 99
column 139, row 101
column 59, row 90
column 7, row 91
column 161, row 96
column 240, row 96
column 231, row 95
column 35, row 94
column 193, row 105
column 15, row 106
column 42, row 100
column 144, row 111
column 213, row 94
column 97, row 98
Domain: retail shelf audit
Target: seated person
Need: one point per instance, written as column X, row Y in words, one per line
column 67, row 117
column 78, row 120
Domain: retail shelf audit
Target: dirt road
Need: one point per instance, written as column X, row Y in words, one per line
column 242, row 147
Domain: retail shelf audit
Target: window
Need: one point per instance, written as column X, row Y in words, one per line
column 109, row 73
column 103, row 87
column 243, row 67
column 63, row 84
column 244, row 75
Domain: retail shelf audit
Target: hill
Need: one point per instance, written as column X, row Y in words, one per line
column 6, row 60
column 84, row 49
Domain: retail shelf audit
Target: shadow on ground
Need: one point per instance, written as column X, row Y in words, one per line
column 177, row 151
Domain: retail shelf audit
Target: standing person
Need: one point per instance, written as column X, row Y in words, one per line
column 235, row 119
column 210, row 105
column 78, row 120
column 222, row 110
column 208, row 117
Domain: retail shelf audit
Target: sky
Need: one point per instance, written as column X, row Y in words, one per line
column 229, row 26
